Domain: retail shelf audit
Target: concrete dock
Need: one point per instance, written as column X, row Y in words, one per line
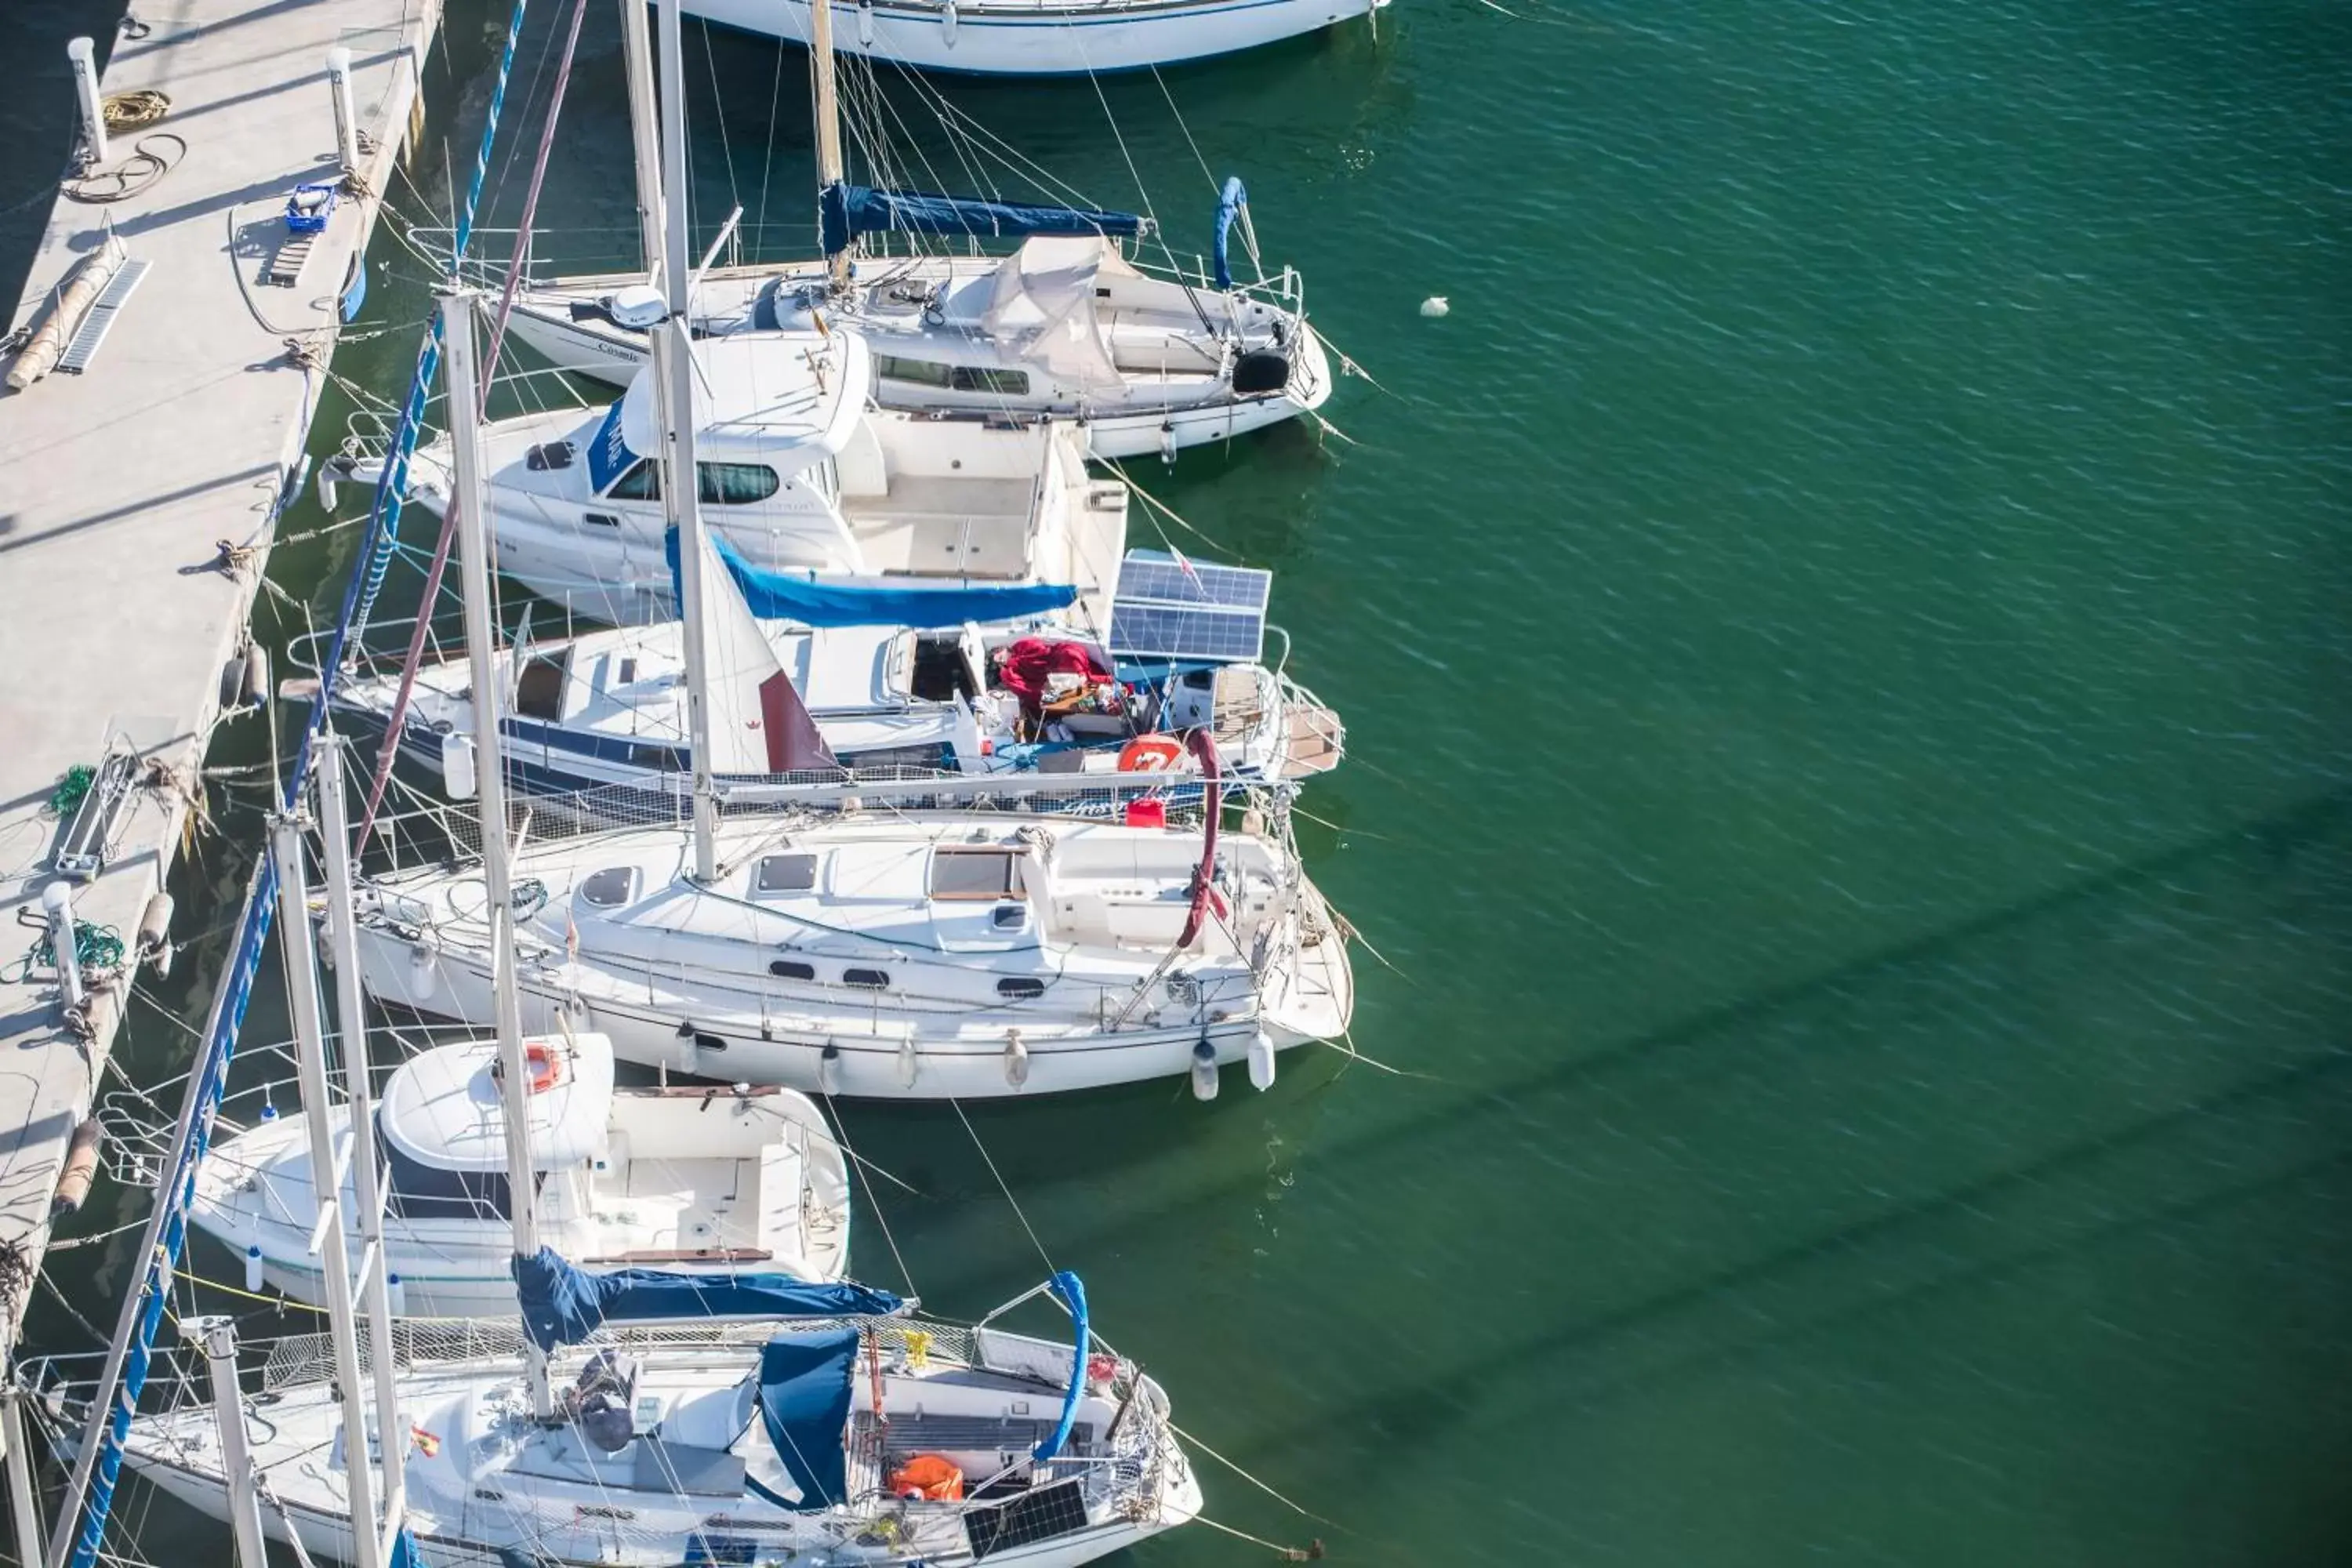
column 138, row 497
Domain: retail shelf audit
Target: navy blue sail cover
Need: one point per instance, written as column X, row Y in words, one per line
column 805, row 1392
column 784, row 597
column 1230, row 201
column 1072, row 1293
column 848, row 211
column 562, row 1305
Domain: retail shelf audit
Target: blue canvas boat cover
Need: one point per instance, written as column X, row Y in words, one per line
column 562, row 1305
column 783, row 596
column 848, row 211
column 805, row 1391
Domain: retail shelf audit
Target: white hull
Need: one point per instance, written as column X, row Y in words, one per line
column 735, row 1048
column 592, row 349
column 471, row 1492
column 1072, row 37
column 1071, row 977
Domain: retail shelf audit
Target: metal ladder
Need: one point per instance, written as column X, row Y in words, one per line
column 293, row 255
column 95, row 326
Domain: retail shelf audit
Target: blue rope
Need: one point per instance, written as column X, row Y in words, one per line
column 383, row 514
column 261, row 901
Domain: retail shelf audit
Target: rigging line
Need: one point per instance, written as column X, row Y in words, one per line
column 768, row 167
column 1295, row 1508
column 1002, row 1187
column 1346, row 1046
column 873, row 1202
column 1311, row 1553
column 1143, row 195
column 1181, row 125
column 1157, row 504
column 719, row 108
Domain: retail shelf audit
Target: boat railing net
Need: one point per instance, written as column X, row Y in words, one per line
column 429, row 831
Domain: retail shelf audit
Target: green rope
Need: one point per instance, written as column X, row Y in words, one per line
column 66, row 800
column 96, row 949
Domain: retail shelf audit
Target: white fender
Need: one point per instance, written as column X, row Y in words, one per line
column 908, row 1066
column 1016, row 1059
column 1261, row 1061
column 828, row 1069
column 1204, row 1070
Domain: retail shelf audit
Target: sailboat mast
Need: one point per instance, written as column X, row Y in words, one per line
column 471, row 498
column 681, row 483
column 637, row 53
column 828, row 123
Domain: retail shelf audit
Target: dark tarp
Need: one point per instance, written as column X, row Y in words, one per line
column 782, row 596
column 805, row 1390
column 848, row 211
column 562, row 1305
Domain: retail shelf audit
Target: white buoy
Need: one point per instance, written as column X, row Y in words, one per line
column 1204, row 1070
column 1261, row 1061
column 457, row 778
column 256, row 675
column 424, row 972
column 1016, row 1059
column 253, row 1270
column 1435, row 306
column 828, row 1069
column 908, row 1066
column 57, row 901
column 155, row 931
column 396, row 1294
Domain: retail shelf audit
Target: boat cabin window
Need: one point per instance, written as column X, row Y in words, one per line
column 953, row 377
column 866, row 979
column 418, row 1191
column 722, row 484
column 611, row 888
column 628, row 672
column 538, row 691
column 784, row 874
column 791, row 969
column 1021, row 989
column 975, row 874
column 979, row 378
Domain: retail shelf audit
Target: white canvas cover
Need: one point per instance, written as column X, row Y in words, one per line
column 441, row 1109
column 1043, row 307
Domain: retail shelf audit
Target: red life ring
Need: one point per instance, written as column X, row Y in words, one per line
column 546, row 1067
column 1149, row 754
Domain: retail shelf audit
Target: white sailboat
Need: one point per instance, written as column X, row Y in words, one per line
column 1058, row 37
column 801, row 478
column 1067, row 328
column 701, row 1181
column 605, row 712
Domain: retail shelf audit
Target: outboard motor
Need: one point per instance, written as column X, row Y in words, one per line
column 1260, row 372
column 600, row 1402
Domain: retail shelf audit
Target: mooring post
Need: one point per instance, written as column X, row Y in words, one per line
column 347, row 130
column 57, row 901
column 84, row 55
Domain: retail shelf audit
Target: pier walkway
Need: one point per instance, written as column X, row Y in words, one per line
column 137, row 498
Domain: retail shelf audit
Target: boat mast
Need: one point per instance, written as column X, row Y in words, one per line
column 681, row 480
column 471, row 499
column 643, row 140
column 828, row 126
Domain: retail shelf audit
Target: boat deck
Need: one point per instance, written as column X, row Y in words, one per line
column 137, row 498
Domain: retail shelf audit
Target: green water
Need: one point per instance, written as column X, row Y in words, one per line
column 1843, row 634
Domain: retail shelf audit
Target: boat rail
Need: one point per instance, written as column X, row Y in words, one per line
column 599, row 253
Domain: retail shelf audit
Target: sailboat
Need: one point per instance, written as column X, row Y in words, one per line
column 933, row 519
column 701, row 1181
column 604, row 713
column 1064, row 38
column 765, row 1421
column 1067, row 327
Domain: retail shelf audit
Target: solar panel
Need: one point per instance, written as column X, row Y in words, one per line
column 1149, row 574
column 1167, row 609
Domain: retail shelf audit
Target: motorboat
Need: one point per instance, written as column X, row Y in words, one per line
column 932, row 520
column 702, row 1180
